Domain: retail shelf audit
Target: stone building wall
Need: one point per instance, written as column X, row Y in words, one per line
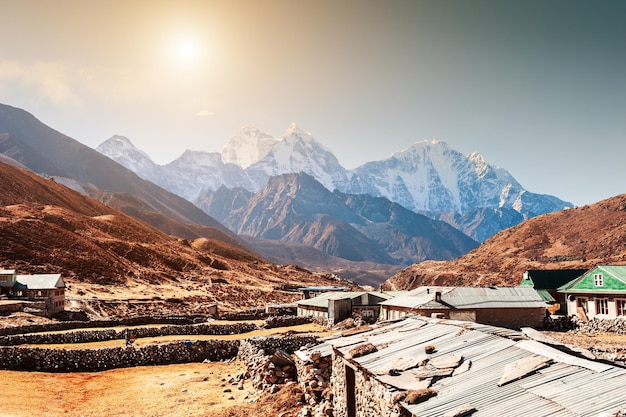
column 314, row 379
column 368, row 396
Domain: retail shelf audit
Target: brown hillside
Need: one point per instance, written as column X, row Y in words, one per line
column 577, row 238
column 116, row 264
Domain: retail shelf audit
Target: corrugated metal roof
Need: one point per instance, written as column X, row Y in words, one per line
column 322, row 299
column 39, row 281
column 568, row 386
column 493, row 297
column 470, row 298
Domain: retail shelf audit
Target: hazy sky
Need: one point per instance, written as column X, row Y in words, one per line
column 536, row 87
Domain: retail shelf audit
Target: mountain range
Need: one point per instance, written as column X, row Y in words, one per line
column 275, row 195
column 428, row 178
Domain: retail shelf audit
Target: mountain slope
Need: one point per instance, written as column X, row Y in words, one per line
column 296, row 208
column 46, row 151
column 112, row 262
column 577, row 238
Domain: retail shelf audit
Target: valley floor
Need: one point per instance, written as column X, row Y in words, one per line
column 186, row 390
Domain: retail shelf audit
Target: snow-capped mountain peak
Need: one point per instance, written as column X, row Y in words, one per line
column 117, row 146
column 247, row 146
column 294, row 130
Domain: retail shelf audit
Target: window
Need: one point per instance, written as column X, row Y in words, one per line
column 621, row 307
column 602, row 306
column 598, row 280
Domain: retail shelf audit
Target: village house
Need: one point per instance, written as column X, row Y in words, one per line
column 599, row 292
column 420, row 366
column 512, row 307
column 546, row 282
column 333, row 307
column 44, row 292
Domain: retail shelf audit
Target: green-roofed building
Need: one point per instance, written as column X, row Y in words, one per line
column 546, row 282
column 599, row 292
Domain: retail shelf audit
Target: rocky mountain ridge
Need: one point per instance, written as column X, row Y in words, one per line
column 428, row 177
column 297, row 208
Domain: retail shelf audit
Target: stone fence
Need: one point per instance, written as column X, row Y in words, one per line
column 286, row 321
column 81, row 360
column 87, row 336
column 75, row 324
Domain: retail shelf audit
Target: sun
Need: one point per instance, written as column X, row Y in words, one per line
column 186, row 50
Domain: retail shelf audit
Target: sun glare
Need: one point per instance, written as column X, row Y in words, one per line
column 187, row 50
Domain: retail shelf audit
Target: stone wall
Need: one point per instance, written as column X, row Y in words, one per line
column 87, row 336
column 82, row 360
column 68, row 325
column 600, row 325
column 286, row 321
column 269, row 360
column 314, row 379
column 368, row 396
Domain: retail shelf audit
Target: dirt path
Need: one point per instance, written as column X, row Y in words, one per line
column 186, row 390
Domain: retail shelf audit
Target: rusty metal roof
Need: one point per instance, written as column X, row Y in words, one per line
column 566, row 385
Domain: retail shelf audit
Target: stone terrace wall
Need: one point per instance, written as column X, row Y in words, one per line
column 86, row 336
column 285, row 321
column 81, row 360
column 68, row 325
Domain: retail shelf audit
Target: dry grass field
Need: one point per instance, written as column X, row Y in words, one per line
column 187, row 390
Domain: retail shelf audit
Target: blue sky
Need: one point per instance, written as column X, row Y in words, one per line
column 536, row 87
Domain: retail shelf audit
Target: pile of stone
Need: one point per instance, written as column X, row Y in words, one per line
column 269, row 361
column 313, row 375
column 267, row 372
column 600, row 325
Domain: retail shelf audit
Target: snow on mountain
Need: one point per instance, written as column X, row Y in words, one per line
column 121, row 150
column 196, row 171
column 428, row 177
column 431, row 177
column 298, row 151
column 247, row 146
column 186, row 176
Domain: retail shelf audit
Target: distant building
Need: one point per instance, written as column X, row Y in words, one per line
column 511, row 307
column 47, row 290
column 599, row 292
column 337, row 306
column 546, row 282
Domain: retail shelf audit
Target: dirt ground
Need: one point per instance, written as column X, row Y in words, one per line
column 187, row 390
